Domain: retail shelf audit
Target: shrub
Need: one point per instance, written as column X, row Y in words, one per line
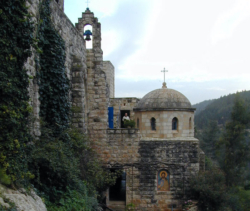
column 129, row 123
column 209, row 189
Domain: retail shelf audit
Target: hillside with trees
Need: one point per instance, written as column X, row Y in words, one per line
column 225, row 185
column 201, row 106
column 218, row 110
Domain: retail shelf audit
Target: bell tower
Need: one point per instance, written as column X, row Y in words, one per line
column 96, row 83
column 88, row 19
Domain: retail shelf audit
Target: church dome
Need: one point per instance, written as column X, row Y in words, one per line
column 164, row 99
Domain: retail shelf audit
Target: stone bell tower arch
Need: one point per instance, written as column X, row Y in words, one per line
column 96, row 84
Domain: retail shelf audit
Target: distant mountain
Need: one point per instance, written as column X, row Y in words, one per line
column 217, row 109
column 201, row 106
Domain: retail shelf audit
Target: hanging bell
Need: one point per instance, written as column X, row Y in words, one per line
column 87, row 33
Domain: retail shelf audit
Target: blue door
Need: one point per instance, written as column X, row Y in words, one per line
column 111, row 116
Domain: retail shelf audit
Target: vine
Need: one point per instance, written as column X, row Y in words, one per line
column 53, row 80
column 16, row 38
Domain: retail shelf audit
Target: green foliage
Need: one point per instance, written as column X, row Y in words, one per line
column 4, row 179
column 12, row 208
column 219, row 110
column 15, row 40
column 244, row 198
column 201, row 106
column 236, row 149
column 74, row 200
column 129, row 123
column 131, row 207
column 210, row 138
column 59, row 164
column 53, row 80
column 209, row 188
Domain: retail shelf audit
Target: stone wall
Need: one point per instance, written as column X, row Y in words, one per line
column 142, row 159
column 33, row 8
column 180, row 158
column 121, row 104
column 164, row 123
column 109, row 69
column 75, row 48
column 60, row 4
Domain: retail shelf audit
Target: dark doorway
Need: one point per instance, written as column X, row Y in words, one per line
column 117, row 192
column 123, row 114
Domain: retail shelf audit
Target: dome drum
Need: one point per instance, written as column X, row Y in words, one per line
column 171, row 111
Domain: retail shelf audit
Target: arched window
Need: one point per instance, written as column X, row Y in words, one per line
column 89, row 43
column 138, row 122
column 174, row 123
column 190, row 123
column 153, row 124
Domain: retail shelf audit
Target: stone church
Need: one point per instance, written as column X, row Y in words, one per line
column 159, row 156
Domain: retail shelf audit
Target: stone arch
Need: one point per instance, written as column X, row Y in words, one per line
column 175, row 123
column 88, row 44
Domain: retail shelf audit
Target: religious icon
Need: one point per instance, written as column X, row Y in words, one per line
column 163, row 181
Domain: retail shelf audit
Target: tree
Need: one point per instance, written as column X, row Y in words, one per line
column 236, row 149
column 209, row 139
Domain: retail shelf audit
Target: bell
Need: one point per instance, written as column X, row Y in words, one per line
column 87, row 38
column 87, row 33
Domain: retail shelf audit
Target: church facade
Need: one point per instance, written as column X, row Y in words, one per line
column 159, row 156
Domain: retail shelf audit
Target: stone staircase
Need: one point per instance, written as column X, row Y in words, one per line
column 117, row 205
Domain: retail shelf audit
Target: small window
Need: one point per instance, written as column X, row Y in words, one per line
column 153, row 124
column 175, row 124
column 138, row 121
column 190, row 123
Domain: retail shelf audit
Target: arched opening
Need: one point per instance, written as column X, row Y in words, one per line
column 174, row 123
column 138, row 123
column 190, row 123
column 88, row 30
column 57, row 1
column 153, row 123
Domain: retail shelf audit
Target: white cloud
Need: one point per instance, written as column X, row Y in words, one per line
column 228, row 21
column 142, row 37
column 111, row 41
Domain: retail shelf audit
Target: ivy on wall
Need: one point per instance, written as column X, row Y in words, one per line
column 53, row 80
column 16, row 36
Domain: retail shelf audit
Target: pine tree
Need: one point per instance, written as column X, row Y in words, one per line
column 236, row 149
column 210, row 137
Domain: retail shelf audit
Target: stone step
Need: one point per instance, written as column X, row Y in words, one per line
column 117, row 205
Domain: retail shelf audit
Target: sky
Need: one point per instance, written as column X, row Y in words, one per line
column 204, row 45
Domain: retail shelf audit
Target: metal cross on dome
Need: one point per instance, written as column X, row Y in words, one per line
column 87, row 3
column 164, row 71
